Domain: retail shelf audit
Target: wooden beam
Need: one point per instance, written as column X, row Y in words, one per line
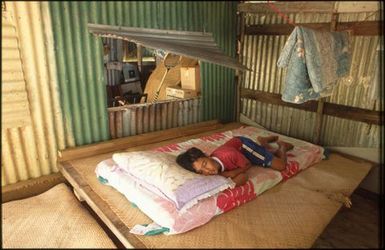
column 367, row 28
column 288, row 7
column 31, row 187
column 276, row 100
column 332, row 109
column 353, row 113
column 239, row 55
column 137, row 140
column 357, row 6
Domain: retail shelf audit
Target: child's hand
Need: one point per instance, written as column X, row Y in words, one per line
column 233, row 173
column 240, row 179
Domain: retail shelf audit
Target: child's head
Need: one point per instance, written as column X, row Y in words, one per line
column 196, row 161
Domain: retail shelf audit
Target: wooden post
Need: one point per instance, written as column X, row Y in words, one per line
column 239, row 74
column 320, row 107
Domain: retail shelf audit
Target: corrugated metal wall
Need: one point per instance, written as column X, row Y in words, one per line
column 29, row 149
column 261, row 54
column 80, row 55
column 143, row 118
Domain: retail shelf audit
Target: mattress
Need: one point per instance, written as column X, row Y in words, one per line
column 172, row 220
column 293, row 213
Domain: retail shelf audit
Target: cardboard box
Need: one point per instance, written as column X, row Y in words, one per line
column 190, row 78
column 179, row 93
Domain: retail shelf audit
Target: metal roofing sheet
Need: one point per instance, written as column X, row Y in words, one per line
column 196, row 45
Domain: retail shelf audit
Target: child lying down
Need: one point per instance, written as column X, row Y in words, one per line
column 236, row 156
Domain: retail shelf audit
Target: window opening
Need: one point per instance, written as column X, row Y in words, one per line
column 136, row 74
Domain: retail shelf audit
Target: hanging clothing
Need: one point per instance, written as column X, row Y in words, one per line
column 314, row 60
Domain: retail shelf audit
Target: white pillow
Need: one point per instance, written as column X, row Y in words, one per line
column 160, row 170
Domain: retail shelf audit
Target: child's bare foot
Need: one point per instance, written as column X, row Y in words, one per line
column 288, row 146
column 267, row 139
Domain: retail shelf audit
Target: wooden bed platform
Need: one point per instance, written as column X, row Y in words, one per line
column 290, row 215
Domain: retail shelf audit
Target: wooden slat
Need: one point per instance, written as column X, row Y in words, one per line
column 357, row 6
column 367, row 28
column 137, row 140
column 288, row 7
column 354, row 158
column 276, row 99
column 239, row 55
column 337, row 110
column 310, row 7
column 353, row 113
column 32, row 187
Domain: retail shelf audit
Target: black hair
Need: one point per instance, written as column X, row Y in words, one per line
column 187, row 158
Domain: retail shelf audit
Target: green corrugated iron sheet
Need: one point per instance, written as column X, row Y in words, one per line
column 80, row 62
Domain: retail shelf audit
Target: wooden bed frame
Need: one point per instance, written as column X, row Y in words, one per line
column 292, row 214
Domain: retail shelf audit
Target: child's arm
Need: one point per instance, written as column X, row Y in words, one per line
column 237, row 175
column 240, row 179
column 234, row 172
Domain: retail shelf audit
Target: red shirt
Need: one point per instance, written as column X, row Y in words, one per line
column 230, row 154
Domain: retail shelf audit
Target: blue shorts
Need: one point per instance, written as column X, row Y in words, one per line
column 255, row 153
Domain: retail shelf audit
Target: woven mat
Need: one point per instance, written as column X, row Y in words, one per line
column 290, row 215
column 53, row 219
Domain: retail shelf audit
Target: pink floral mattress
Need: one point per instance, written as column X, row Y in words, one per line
column 165, row 214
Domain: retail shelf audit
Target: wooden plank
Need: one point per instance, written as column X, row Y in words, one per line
column 354, row 158
column 309, row 6
column 276, row 99
column 32, row 187
column 288, row 7
column 353, row 113
column 367, row 28
column 239, row 56
column 132, row 141
column 357, row 6
column 337, row 110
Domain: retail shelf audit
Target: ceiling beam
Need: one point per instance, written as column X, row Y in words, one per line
column 288, row 7
column 364, row 28
column 311, row 6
